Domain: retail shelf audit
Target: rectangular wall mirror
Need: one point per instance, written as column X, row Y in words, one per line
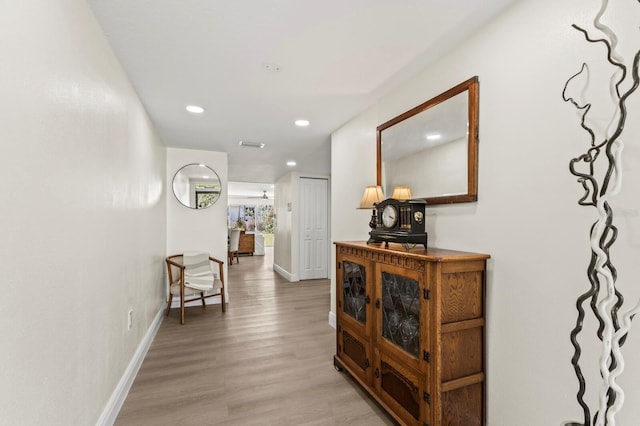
column 433, row 148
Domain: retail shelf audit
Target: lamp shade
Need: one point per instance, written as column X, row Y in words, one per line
column 372, row 194
column 401, row 193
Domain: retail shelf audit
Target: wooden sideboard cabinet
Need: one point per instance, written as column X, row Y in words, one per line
column 246, row 245
column 411, row 330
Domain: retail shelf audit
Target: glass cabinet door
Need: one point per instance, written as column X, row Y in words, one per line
column 354, row 316
column 354, row 291
column 401, row 312
column 401, row 373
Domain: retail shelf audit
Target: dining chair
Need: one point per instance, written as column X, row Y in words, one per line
column 234, row 242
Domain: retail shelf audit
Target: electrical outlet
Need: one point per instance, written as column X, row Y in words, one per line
column 130, row 319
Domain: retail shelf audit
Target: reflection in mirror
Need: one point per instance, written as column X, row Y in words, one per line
column 432, row 148
column 196, row 186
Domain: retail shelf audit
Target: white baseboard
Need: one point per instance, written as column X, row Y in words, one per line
column 332, row 319
column 293, row 278
column 112, row 409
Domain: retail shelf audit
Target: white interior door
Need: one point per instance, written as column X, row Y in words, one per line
column 313, row 229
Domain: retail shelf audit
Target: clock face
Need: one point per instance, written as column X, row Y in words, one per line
column 389, row 216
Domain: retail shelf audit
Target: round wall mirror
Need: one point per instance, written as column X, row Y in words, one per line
column 196, row 186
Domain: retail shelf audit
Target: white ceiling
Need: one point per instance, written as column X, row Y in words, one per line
column 258, row 65
column 249, row 190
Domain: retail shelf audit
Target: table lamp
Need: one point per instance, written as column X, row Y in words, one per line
column 372, row 195
column 401, row 193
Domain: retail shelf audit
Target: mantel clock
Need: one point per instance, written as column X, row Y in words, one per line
column 400, row 221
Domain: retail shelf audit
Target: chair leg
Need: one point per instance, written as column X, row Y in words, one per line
column 224, row 306
column 202, row 296
column 182, row 309
column 169, row 304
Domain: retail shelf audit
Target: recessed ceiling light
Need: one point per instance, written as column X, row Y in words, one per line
column 291, row 163
column 195, row 109
column 434, row 137
column 302, row 123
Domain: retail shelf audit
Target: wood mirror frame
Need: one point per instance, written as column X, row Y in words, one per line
column 425, row 116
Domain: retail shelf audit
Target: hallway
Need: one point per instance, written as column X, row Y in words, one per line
column 266, row 361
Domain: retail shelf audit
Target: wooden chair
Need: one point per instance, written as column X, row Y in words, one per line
column 193, row 274
column 234, row 243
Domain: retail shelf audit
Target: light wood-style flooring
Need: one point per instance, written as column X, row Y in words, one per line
column 267, row 361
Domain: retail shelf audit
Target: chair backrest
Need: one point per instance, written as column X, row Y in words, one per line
column 234, row 240
column 196, row 263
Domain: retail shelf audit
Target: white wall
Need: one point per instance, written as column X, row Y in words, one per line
column 349, row 178
column 197, row 229
column 82, row 229
column 527, row 216
column 287, row 233
column 285, row 192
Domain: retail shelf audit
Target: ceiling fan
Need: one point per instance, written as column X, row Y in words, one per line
column 264, row 195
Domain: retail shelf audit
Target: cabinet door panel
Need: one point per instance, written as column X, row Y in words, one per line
column 355, row 352
column 403, row 389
